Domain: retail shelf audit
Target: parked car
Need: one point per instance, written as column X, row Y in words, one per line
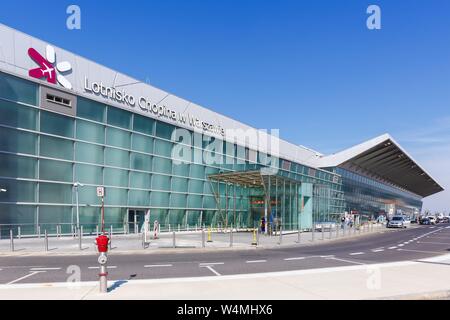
column 397, row 222
column 432, row 219
column 446, row 219
column 425, row 221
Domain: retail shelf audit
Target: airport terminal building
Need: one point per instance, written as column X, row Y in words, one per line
column 69, row 125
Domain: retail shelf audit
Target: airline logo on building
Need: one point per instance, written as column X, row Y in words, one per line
column 48, row 68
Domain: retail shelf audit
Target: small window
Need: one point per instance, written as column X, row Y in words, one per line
column 59, row 100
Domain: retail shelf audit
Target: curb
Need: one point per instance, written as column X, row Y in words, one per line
column 436, row 295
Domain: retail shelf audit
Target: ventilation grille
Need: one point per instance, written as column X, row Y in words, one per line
column 59, row 100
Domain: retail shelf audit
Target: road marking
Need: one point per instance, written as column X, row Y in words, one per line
column 401, row 245
column 329, row 256
column 44, row 269
column 295, row 258
column 255, row 261
column 210, row 264
column 157, row 265
column 356, row 253
column 421, row 251
column 212, row 270
column 344, row 260
column 108, row 267
column 446, row 243
column 378, row 250
column 24, row 277
column 391, row 248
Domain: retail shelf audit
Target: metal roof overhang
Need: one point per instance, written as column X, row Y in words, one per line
column 382, row 157
column 250, row 179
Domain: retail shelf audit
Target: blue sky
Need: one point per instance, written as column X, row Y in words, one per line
column 310, row 68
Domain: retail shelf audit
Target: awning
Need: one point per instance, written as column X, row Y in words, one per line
column 385, row 159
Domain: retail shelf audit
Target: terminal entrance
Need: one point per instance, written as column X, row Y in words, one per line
column 136, row 218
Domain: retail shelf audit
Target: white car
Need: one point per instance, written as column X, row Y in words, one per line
column 397, row 222
column 432, row 219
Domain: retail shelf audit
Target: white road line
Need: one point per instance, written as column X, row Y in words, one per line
column 344, row 260
column 295, row 258
column 255, row 261
column 378, row 250
column 157, row 265
column 44, row 269
column 108, row 267
column 24, row 277
column 445, row 243
column 391, row 248
column 210, row 264
column 421, row 251
column 401, row 245
column 356, row 253
column 329, row 256
column 212, row 270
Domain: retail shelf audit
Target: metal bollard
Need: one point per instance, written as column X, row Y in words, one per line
column 323, row 232
column 11, row 236
column 169, row 227
column 110, row 236
column 280, row 241
column 135, row 228
column 96, row 230
column 329, row 232
column 173, row 238
column 179, row 228
column 312, row 234
column 203, row 238
column 337, row 231
column 257, row 236
column 39, row 232
column 231, row 238
column 46, row 240
column 79, row 239
column 299, row 236
column 19, row 232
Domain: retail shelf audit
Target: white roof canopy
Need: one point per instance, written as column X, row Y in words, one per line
column 384, row 158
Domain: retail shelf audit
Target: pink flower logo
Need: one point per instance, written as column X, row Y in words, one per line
column 47, row 67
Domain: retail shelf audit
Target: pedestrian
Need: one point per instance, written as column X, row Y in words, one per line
column 263, row 225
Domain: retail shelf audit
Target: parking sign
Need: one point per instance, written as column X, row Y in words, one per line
column 100, row 191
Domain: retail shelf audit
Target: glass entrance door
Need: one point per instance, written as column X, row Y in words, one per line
column 135, row 220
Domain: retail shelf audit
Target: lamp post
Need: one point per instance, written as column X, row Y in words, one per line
column 77, row 185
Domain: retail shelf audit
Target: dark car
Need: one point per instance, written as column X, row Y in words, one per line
column 425, row 221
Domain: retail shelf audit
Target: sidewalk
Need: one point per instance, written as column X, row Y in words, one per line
column 424, row 279
column 184, row 240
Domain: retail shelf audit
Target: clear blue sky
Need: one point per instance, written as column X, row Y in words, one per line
column 310, row 68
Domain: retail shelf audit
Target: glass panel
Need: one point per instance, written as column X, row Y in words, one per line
column 162, row 165
column 18, row 191
column 178, row 200
column 163, row 148
column 140, row 180
column 116, row 177
column 196, row 186
column 159, row 199
column 197, row 171
column 56, row 148
column 89, row 131
column 160, row 182
column 17, row 167
column 141, row 162
column 164, row 130
column 16, row 89
column 17, row 214
column 143, row 124
column 119, row 118
column 142, row 143
column 55, row 171
column 90, row 109
column 17, row 141
column 88, row 174
column 114, row 196
column 51, row 215
column 194, row 201
column 18, row 116
column 179, row 184
column 139, row 198
column 118, row 138
column 117, row 158
column 55, row 193
column 90, row 153
column 56, row 124
column 181, row 169
column 87, row 195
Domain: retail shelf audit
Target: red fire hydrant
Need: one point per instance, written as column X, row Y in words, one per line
column 102, row 246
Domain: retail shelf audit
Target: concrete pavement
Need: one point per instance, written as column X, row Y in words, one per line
column 419, row 279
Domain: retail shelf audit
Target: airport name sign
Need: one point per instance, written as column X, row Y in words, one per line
column 145, row 104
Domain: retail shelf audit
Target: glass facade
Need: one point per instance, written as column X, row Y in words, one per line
column 43, row 153
column 369, row 197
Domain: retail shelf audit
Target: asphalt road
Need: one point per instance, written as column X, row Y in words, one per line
column 395, row 245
